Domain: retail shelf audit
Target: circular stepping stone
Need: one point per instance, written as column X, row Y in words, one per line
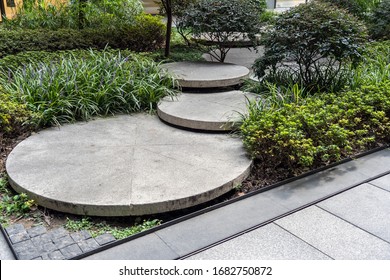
column 207, row 74
column 125, row 165
column 205, row 111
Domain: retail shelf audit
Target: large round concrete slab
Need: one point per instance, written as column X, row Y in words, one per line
column 217, row 111
column 125, row 165
column 207, row 74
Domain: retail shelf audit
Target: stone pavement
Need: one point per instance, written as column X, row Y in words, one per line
column 37, row 243
column 338, row 213
column 353, row 225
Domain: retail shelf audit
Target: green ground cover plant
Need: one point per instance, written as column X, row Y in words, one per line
column 74, row 88
column 12, row 204
column 98, row 228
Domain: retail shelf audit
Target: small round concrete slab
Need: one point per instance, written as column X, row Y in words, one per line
column 216, row 111
column 207, row 74
column 125, row 165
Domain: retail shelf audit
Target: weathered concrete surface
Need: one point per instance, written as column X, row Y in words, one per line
column 207, row 74
column 217, row 111
column 125, row 165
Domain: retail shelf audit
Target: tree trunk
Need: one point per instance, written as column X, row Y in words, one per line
column 168, row 10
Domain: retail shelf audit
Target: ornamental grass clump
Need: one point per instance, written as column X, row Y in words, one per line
column 77, row 88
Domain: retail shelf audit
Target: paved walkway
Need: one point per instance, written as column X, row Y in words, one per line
column 338, row 213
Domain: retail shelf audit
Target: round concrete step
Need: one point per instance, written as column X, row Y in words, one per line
column 125, row 165
column 217, row 111
column 207, row 74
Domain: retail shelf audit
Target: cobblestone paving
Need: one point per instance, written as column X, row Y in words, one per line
column 39, row 244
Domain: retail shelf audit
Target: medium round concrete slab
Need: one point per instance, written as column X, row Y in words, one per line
column 217, row 111
column 207, row 74
column 125, row 165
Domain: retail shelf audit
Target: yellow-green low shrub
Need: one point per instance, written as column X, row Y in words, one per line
column 320, row 129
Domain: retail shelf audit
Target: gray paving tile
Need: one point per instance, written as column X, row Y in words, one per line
column 71, row 251
column 88, row 245
column 56, row 255
column 317, row 186
column 375, row 163
column 19, row 237
column 105, row 238
column 81, row 236
column 29, row 255
column 35, row 231
column 206, row 229
column 149, row 247
column 57, row 233
column 13, row 229
column 269, row 242
column 382, row 182
column 26, row 245
column 365, row 206
column 63, row 242
column 333, row 236
column 5, row 250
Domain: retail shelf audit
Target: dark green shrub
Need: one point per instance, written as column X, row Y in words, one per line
column 77, row 87
column 146, row 35
column 15, row 41
column 220, row 23
column 380, row 21
column 310, row 45
column 320, row 130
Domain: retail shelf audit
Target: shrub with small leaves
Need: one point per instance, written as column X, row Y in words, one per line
column 310, row 45
column 318, row 130
column 221, row 23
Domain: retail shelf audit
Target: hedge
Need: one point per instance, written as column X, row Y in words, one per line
column 146, row 35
